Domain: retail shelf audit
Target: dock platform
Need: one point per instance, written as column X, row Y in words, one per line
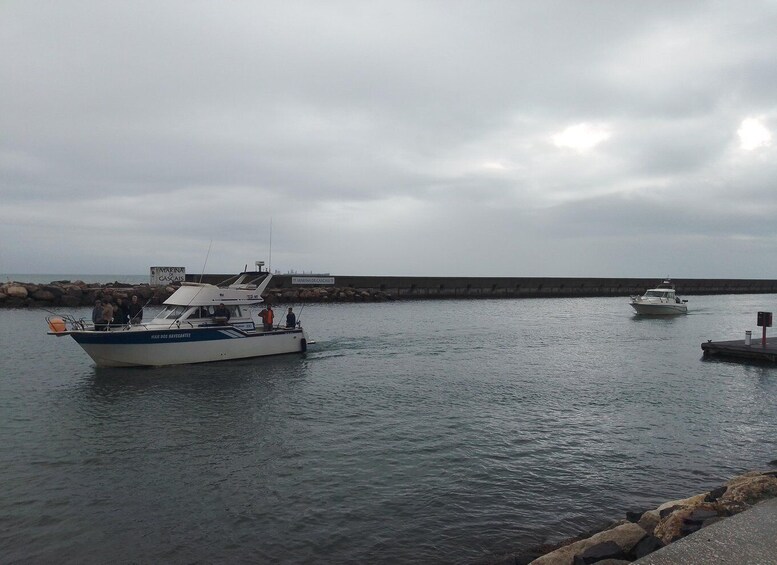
column 739, row 350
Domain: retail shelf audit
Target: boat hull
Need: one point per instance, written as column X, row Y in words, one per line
column 162, row 347
column 659, row 309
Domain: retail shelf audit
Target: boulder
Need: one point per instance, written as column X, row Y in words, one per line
column 598, row 552
column 746, row 490
column 143, row 292
column 56, row 290
column 690, row 501
column 16, row 291
column 72, row 293
column 684, row 521
column 70, row 301
column 646, row 545
column 634, row 515
column 664, row 512
column 649, row 520
column 43, row 295
column 715, row 494
column 626, row 536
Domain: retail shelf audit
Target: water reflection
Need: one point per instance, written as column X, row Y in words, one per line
column 210, row 380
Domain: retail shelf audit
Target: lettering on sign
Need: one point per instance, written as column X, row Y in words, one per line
column 161, row 276
column 312, row 280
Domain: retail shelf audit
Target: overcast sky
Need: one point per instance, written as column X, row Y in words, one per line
column 485, row 138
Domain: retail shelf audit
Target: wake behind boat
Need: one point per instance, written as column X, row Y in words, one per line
column 189, row 329
column 659, row 301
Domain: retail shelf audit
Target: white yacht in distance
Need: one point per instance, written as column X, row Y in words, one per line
column 187, row 329
column 659, row 301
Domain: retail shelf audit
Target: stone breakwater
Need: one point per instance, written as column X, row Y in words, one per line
column 79, row 293
column 642, row 532
column 283, row 289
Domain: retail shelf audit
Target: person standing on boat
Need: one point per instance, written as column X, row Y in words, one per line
column 267, row 318
column 121, row 313
column 221, row 312
column 107, row 314
column 135, row 310
column 97, row 316
column 291, row 319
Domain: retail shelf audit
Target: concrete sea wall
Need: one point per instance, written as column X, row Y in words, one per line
column 503, row 287
column 301, row 288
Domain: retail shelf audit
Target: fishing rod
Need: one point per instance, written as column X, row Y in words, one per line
column 141, row 310
column 206, row 260
column 299, row 316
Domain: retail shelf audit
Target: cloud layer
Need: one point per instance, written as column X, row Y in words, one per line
column 399, row 138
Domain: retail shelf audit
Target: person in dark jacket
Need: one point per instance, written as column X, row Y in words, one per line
column 291, row 319
column 135, row 310
column 121, row 313
column 97, row 316
column 221, row 311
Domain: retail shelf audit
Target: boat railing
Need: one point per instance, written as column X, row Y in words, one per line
column 59, row 323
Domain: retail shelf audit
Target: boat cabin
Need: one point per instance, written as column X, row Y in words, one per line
column 199, row 313
column 660, row 293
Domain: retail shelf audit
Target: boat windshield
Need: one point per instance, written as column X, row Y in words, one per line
column 204, row 312
column 200, row 312
column 172, row 312
column 658, row 294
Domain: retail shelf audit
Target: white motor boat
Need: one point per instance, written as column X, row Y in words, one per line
column 659, row 301
column 187, row 330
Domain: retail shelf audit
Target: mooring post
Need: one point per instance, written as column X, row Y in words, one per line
column 765, row 321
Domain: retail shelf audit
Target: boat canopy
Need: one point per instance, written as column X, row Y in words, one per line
column 243, row 291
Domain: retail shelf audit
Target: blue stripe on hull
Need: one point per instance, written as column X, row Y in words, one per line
column 163, row 336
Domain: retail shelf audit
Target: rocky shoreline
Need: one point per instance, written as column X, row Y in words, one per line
column 67, row 293
column 643, row 532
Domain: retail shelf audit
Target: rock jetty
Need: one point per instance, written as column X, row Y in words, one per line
column 643, row 532
column 79, row 293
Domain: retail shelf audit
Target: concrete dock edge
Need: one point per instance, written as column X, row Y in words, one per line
column 748, row 538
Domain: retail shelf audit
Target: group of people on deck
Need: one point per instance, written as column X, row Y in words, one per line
column 268, row 318
column 107, row 314
column 267, row 315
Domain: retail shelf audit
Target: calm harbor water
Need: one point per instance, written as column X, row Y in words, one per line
column 411, row 432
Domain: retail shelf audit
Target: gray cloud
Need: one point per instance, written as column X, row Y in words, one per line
column 387, row 138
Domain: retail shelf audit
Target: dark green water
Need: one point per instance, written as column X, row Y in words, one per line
column 434, row 432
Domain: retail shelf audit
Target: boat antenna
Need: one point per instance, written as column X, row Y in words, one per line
column 269, row 259
column 206, row 260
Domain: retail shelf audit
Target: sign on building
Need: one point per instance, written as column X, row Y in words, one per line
column 163, row 276
column 312, row 280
